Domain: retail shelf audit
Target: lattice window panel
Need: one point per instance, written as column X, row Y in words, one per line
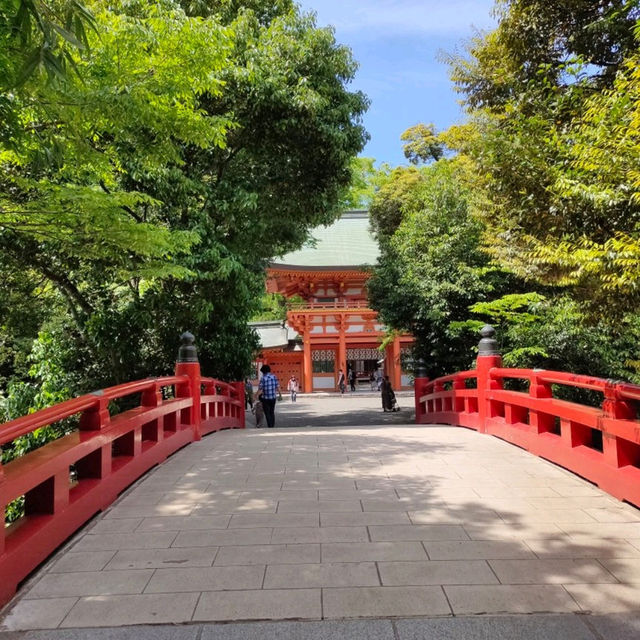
column 363, row 354
column 323, row 354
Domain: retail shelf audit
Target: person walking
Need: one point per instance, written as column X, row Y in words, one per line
column 352, row 379
column 341, row 384
column 292, row 388
column 379, row 379
column 372, row 381
column 388, row 396
column 248, row 394
column 258, row 411
column 269, row 390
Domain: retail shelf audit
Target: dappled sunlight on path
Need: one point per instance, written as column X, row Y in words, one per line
column 343, row 522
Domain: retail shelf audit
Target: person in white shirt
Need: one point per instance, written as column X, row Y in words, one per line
column 292, row 387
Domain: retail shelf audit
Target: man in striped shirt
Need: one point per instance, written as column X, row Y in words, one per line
column 269, row 390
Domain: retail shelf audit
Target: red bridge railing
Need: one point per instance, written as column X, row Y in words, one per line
column 66, row 482
column 600, row 443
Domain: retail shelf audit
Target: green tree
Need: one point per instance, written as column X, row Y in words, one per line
column 422, row 144
column 149, row 194
column 534, row 90
column 432, row 267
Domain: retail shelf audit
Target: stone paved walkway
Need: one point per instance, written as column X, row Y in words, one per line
column 360, row 409
column 337, row 523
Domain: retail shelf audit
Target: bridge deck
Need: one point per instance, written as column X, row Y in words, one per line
column 343, row 522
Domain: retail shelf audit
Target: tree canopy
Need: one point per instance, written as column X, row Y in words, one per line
column 144, row 187
column 537, row 226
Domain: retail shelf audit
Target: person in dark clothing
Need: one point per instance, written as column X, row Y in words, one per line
column 341, row 381
column 388, row 396
column 248, row 393
column 352, row 379
column 269, row 390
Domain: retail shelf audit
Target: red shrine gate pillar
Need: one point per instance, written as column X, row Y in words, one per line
column 342, row 347
column 396, row 371
column 307, row 368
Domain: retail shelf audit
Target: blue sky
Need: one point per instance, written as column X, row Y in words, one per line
column 397, row 44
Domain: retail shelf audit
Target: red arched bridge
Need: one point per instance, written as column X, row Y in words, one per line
column 315, row 523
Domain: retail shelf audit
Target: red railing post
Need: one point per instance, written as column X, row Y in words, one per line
column 458, row 404
column 617, row 451
column 97, row 417
column 188, row 365
column 541, row 422
column 2, row 510
column 488, row 358
column 239, row 387
column 419, row 385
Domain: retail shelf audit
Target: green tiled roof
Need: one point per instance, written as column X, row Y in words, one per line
column 346, row 243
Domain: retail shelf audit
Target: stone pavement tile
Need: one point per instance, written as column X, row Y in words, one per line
column 625, row 530
column 363, row 519
column 572, row 486
column 363, row 602
column 257, row 520
column 312, row 506
column 617, row 627
column 146, row 608
column 397, row 532
column 269, row 554
column 575, row 502
column 433, row 572
column 115, row 541
column 372, row 551
column 270, row 494
column 263, row 482
column 583, row 548
column 447, row 515
column 206, row 579
column 326, row 483
column 389, row 505
column 159, row 558
column 153, row 485
column 558, row 516
column 137, row 632
column 37, row 614
column 184, row 523
column 625, row 570
column 606, row 598
column 351, row 493
column 149, row 511
column 92, row 583
column 615, row 515
column 527, row 627
column 304, row 576
column 222, row 537
column 320, row 534
column 505, row 491
column 145, row 499
column 272, row 604
column 501, row 530
column 82, row 561
column 552, row 571
column 477, row 550
column 325, row 630
column 510, row 599
column 115, row 525
column 256, row 505
column 504, row 505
